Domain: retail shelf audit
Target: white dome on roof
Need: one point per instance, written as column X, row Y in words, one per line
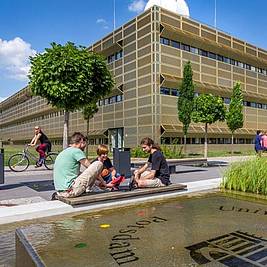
column 177, row 6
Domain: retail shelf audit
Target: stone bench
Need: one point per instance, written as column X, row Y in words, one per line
column 89, row 198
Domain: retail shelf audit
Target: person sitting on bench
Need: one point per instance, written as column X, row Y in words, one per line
column 159, row 174
column 109, row 173
column 68, row 182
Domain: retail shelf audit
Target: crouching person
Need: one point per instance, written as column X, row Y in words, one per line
column 109, row 173
column 67, row 178
column 159, row 174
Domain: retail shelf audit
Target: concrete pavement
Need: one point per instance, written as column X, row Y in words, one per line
column 26, row 195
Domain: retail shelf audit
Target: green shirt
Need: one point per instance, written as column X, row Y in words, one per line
column 67, row 167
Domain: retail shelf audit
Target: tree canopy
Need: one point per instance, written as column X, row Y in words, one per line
column 186, row 97
column 234, row 116
column 69, row 77
column 208, row 109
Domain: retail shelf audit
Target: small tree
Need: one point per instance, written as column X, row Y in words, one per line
column 234, row 116
column 88, row 113
column 185, row 100
column 69, row 77
column 208, row 109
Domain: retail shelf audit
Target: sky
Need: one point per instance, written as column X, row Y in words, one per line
column 28, row 27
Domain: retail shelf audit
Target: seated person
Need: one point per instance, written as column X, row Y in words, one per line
column 109, row 173
column 159, row 174
column 67, row 178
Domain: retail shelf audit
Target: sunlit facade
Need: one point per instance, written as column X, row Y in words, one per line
column 146, row 57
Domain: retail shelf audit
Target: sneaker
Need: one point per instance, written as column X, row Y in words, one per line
column 40, row 162
column 54, row 196
column 132, row 185
column 37, row 165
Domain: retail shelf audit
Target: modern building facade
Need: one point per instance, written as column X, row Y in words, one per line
column 146, row 57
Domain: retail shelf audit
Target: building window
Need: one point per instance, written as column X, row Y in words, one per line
column 165, row 140
column 240, row 64
column 118, row 55
column 212, row 55
column 226, row 60
column 112, row 100
column 194, row 50
column 253, row 104
column 175, row 44
column 204, row 53
column 165, row 41
column 185, row 47
column 220, row 58
column 174, row 92
column 232, row 62
column 248, row 67
column 119, row 98
column 165, row 91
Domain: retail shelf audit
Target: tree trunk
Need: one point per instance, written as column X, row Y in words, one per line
column 185, row 144
column 232, row 151
column 87, row 133
column 66, row 129
column 206, row 142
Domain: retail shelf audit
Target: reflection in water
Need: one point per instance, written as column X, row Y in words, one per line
column 7, row 251
column 184, row 232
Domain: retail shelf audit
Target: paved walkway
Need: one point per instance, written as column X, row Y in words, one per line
column 27, row 195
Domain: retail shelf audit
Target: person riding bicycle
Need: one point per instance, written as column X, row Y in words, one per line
column 44, row 147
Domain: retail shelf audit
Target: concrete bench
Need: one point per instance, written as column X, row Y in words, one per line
column 89, row 198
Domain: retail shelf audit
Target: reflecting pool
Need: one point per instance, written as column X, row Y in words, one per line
column 205, row 230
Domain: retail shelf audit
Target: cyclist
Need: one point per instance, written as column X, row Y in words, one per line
column 45, row 145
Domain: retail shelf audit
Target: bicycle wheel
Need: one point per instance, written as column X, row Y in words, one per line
column 18, row 162
column 50, row 160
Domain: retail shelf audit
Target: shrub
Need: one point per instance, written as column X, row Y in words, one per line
column 169, row 152
column 247, row 176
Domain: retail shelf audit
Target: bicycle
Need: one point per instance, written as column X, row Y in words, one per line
column 20, row 162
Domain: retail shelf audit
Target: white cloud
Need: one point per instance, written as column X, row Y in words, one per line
column 100, row 21
column 14, row 58
column 137, row 6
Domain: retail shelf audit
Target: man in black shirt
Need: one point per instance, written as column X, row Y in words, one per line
column 159, row 174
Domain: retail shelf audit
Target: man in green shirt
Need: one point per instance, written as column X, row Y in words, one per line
column 67, row 178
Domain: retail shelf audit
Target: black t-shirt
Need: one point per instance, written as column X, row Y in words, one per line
column 43, row 139
column 159, row 164
column 107, row 163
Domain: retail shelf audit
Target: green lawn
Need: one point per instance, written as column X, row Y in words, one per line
column 135, row 152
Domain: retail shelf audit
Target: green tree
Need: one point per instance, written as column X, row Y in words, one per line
column 208, row 109
column 186, row 99
column 69, row 77
column 234, row 116
column 88, row 112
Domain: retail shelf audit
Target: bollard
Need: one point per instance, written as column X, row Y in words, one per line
column 2, row 166
column 122, row 161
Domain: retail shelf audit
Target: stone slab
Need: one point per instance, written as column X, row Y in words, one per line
column 96, row 197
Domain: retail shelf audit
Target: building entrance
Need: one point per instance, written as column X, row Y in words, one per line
column 116, row 139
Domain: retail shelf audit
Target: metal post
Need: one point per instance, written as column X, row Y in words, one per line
column 2, row 166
